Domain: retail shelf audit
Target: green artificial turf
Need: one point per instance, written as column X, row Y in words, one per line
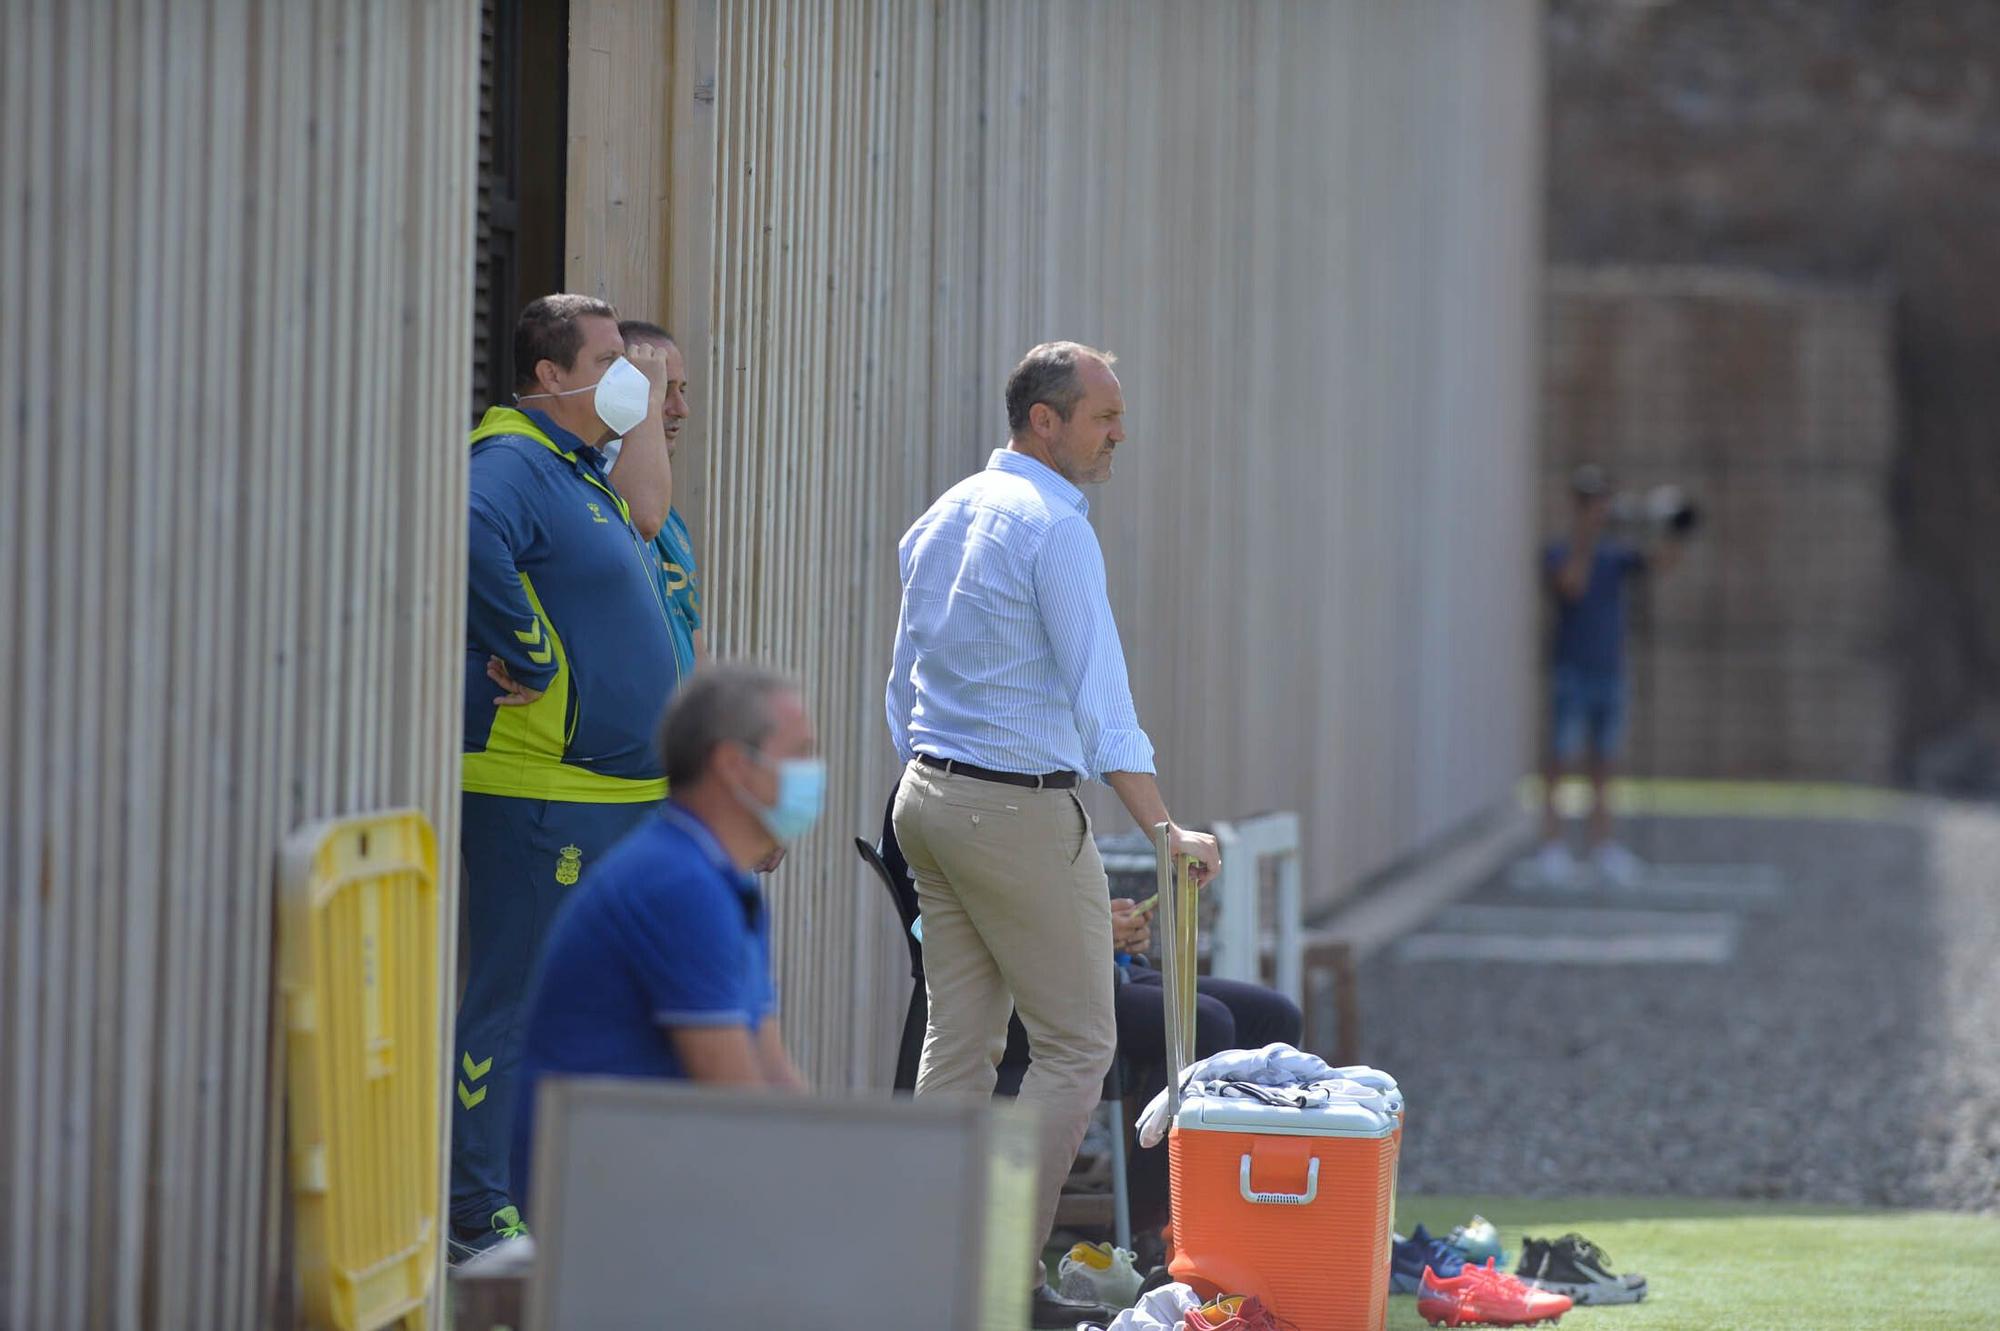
column 1744, row 1266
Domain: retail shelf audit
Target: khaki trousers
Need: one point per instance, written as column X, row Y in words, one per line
column 1016, row 916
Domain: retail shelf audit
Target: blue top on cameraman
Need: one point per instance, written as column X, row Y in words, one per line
column 1590, row 631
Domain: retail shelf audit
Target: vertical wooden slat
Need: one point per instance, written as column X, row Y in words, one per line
column 17, row 1022
column 437, row 612
column 131, row 533
column 94, row 597
column 688, row 198
column 67, row 1090
column 30, row 131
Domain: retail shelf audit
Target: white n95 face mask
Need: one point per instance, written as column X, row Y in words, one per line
column 623, row 395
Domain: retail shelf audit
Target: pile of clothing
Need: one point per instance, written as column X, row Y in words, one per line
column 1179, row 1308
column 1276, row 1074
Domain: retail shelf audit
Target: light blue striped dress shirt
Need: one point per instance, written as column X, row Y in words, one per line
column 1007, row 656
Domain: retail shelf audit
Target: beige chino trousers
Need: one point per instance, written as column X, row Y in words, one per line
column 1016, row 916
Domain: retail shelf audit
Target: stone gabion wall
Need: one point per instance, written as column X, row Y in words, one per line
column 1851, row 144
column 1768, row 652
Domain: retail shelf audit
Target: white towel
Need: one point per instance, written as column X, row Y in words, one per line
column 1162, row 1309
column 1307, row 1079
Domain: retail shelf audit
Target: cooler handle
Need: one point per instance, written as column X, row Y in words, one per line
column 1279, row 1198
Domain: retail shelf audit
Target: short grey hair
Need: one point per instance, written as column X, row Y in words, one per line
column 718, row 703
column 1048, row 374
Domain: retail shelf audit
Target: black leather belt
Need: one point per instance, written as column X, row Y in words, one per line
column 1046, row 781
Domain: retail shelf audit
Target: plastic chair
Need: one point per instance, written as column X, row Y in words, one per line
column 903, row 896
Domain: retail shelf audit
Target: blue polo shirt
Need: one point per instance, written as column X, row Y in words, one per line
column 1590, row 632
column 664, row 931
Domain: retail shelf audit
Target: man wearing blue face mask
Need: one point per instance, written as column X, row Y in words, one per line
column 660, row 963
column 568, row 666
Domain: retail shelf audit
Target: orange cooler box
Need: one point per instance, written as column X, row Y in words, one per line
column 1292, row 1205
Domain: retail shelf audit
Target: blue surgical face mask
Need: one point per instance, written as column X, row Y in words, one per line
column 801, row 796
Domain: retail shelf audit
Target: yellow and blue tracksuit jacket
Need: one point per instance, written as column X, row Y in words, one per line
column 562, row 588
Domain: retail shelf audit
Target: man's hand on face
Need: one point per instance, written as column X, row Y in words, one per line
column 1131, row 929
column 516, row 694
column 652, row 362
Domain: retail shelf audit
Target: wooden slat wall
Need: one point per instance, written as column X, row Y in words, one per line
column 1314, row 251
column 618, row 152
column 1311, row 231
column 817, row 367
column 237, row 255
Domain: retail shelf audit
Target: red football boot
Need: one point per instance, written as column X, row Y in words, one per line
column 1483, row 1296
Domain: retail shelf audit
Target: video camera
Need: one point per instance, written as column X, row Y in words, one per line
column 1664, row 510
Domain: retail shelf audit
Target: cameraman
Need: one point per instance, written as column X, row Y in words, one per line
column 1587, row 573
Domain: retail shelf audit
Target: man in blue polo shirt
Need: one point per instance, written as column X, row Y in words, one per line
column 660, row 963
column 569, row 663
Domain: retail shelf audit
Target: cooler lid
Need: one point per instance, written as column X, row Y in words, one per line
column 1211, row 1113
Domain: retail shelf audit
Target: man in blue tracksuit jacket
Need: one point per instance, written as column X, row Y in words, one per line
column 569, row 664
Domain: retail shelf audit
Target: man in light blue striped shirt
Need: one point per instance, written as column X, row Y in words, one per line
column 1008, row 687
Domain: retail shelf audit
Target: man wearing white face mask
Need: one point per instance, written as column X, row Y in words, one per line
column 660, row 964
column 566, row 633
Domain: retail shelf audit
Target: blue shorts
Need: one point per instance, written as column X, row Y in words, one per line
column 1586, row 708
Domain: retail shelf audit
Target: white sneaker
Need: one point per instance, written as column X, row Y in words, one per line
column 1619, row 867
column 1556, row 868
column 508, row 1257
column 1099, row 1273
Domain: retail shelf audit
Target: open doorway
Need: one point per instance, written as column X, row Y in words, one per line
column 523, row 133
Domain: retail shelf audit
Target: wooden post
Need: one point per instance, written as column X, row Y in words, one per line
column 489, row 1302
column 1346, row 1004
column 1330, row 968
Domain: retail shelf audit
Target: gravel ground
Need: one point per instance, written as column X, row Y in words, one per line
column 1850, row 1053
